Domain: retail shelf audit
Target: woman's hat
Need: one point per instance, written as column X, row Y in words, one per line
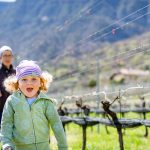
column 5, row 48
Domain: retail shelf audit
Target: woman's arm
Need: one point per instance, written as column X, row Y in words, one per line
column 56, row 125
column 7, row 125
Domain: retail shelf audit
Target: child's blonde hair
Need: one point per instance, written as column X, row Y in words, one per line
column 11, row 83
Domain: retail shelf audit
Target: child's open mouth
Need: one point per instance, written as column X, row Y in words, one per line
column 29, row 89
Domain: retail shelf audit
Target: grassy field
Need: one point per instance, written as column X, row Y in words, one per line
column 133, row 138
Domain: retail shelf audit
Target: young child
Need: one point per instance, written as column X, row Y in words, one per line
column 28, row 112
column 6, row 57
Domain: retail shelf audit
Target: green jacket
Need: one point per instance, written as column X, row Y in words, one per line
column 25, row 124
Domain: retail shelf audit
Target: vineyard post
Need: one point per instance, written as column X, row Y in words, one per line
column 144, row 114
column 84, row 136
column 116, row 122
column 98, row 88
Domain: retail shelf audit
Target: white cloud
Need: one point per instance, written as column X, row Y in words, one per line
column 8, row 1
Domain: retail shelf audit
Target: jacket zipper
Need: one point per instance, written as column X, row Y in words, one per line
column 33, row 128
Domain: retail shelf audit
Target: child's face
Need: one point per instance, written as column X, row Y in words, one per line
column 7, row 58
column 30, row 85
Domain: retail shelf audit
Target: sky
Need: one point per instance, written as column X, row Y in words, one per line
column 7, row 0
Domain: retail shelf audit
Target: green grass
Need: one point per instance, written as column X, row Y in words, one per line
column 133, row 138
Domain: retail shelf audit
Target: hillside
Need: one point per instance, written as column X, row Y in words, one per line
column 67, row 37
column 50, row 27
column 75, row 75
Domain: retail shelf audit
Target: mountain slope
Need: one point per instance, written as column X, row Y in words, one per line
column 49, row 27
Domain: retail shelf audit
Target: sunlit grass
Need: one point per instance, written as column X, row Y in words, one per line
column 133, row 138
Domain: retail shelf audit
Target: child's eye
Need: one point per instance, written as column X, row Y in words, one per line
column 24, row 80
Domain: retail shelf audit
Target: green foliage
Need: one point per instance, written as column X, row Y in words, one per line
column 147, row 67
column 92, row 83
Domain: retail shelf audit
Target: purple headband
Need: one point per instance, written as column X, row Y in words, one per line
column 26, row 68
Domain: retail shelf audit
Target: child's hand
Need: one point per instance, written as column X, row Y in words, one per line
column 8, row 148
